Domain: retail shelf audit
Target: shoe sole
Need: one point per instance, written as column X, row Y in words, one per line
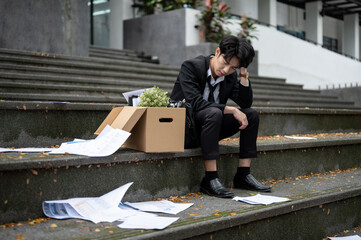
column 213, row 195
column 258, row 190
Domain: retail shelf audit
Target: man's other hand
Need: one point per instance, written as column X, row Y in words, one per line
column 238, row 115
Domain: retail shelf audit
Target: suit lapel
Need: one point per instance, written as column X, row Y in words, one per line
column 204, row 74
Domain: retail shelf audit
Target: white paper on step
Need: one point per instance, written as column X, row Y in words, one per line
column 107, row 143
column 163, row 206
column 261, row 199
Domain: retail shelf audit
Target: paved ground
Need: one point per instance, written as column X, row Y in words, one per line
column 204, row 208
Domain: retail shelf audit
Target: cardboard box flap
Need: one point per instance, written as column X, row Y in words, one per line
column 123, row 118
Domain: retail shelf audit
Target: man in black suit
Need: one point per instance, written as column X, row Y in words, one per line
column 207, row 83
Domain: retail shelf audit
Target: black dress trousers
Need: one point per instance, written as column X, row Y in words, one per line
column 213, row 126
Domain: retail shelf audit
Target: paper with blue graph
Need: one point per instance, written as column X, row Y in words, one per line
column 109, row 208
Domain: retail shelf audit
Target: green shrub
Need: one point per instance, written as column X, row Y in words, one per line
column 155, row 97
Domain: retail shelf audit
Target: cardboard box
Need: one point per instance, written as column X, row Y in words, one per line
column 152, row 129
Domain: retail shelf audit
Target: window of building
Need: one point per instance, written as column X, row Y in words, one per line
column 291, row 32
column 99, row 23
column 330, row 44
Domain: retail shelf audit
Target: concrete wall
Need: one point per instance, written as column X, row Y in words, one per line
column 56, row 26
column 120, row 10
column 347, row 94
column 282, row 55
column 243, row 7
column 162, row 35
column 290, row 17
column 171, row 36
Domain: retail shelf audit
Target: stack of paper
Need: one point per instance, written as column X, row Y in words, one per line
column 261, row 199
column 108, row 208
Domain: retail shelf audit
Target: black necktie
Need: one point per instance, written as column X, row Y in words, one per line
column 211, row 90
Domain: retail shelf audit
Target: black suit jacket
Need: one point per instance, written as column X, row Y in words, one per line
column 192, row 80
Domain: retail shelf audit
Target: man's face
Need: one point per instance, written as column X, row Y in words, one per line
column 221, row 67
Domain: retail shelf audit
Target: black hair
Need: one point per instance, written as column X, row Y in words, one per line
column 232, row 46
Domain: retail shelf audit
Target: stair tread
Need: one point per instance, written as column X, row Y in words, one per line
column 73, row 105
column 228, row 146
column 209, row 214
column 64, row 60
column 112, row 84
column 118, row 98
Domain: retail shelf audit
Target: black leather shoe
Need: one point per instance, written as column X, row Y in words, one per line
column 250, row 183
column 215, row 188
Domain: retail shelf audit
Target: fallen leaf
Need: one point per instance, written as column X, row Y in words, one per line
column 192, row 214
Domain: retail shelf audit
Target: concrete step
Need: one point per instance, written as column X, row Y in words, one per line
column 43, row 69
column 136, row 80
column 291, row 93
column 34, row 123
column 94, row 64
column 276, row 103
column 261, row 83
column 355, row 231
column 287, row 98
column 120, row 52
column 318, row 208
column 63, row 97
column 22, row 83
column 38, row 59
column 71, row 70
column 115, row 57
column 108, row 53
column 29, row 179
column 101, row 79
column 84, row 89
column 65, row 91
column 13, row 71
column 89, row 94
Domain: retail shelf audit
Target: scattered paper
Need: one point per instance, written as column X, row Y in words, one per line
column 354, row 237
column 26, row 150
column 108, row 142
column 261, row 199
column 96, row 209
column 299, row 138
column 163, row 206
column 148, row 222
column 109, row 208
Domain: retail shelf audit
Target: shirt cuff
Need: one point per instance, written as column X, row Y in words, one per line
column 244, row 85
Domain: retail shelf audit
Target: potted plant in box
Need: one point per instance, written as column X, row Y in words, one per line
column 154, row 97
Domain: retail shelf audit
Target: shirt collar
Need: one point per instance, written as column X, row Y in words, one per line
column 213, row 82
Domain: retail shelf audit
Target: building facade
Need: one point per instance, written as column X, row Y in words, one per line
column 314, row 43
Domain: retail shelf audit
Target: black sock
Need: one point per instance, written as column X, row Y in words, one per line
column 242, row 172
column 210, row 175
